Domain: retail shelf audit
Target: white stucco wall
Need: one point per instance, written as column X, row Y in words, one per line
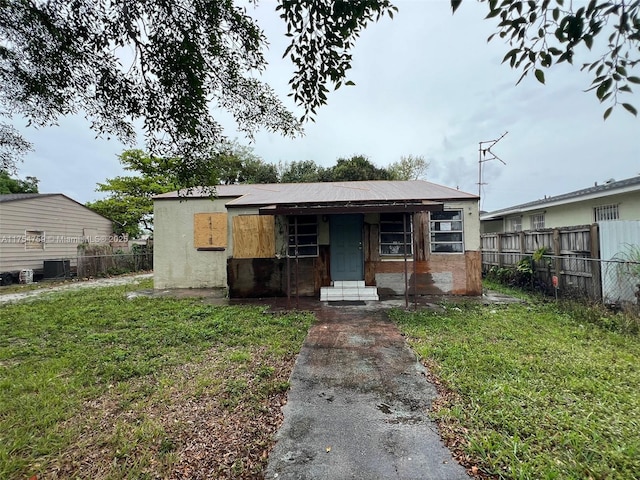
column 471, row 223
column 580, row 213
column 177, row 263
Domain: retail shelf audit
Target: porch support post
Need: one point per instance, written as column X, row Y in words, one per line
column 415, row 267
column 297, row 264
column 288, row 270
column 404, row 251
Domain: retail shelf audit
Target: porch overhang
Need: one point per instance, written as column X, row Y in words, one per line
column 341, row 208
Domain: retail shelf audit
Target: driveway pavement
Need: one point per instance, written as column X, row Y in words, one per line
column 358, row 406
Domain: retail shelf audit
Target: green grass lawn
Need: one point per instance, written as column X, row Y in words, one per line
column 95, row 385
column 531, row 391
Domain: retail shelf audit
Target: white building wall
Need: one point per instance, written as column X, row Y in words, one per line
column 471, row 224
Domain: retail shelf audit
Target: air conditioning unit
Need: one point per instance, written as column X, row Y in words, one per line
column 56, row 269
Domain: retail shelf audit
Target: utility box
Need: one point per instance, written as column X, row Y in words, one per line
column 56, row 269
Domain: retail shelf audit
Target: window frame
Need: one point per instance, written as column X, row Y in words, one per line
column 408, row 235
column 435, row 232
column 37, row 244
column 292, row 247
column 514, row 224
column 609, row 210
column 535, row 221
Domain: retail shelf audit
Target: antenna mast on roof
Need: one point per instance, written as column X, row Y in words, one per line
column 484, row 149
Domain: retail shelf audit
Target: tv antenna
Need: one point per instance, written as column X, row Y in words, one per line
column 484, row 155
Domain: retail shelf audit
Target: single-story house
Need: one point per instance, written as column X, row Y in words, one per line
column 335, row 240
column 46, row 227
column 613, row 200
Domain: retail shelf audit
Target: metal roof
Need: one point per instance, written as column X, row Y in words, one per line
column 382, row 191
column 609, row 188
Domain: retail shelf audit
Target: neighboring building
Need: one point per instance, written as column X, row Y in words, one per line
column 610, row 201
column 36, row 227
column 339, row 240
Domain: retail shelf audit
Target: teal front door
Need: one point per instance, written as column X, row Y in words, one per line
column 346, row 247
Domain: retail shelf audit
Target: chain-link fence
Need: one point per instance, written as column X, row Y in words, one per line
column 91, row 262
column 612, row 282
column 114, row 264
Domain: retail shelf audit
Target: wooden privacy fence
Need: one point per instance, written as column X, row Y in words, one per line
column 569, row 254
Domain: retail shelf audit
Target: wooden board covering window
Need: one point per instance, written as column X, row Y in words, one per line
column 210, row 230
column 254, row 236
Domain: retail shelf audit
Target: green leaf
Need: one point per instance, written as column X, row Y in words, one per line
column 539, row 75
column 588, row 41
column 633, row 79
column 511, row 53
column 630, row 108
column 603, row 88
column 349, row 83
column 455, row 4
column 621, row 70
column 607, row 112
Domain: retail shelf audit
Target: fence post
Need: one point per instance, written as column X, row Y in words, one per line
column 499, row 246
column 594, row 238
column 557, row 260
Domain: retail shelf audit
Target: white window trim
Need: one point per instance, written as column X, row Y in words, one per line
column 608, row 210
column 434, row 232
column 532, row 220
column 510, row 222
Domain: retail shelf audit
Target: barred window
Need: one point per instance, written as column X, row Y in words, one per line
column 514, row 224
column 606, row 212
column 392, row 231
column 34, row 240
column 303, row 236
column 446, row 232
column 537, row 221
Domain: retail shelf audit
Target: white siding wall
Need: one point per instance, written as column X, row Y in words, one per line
column 63, row 221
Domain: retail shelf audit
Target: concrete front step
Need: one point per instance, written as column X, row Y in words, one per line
column 352, row 293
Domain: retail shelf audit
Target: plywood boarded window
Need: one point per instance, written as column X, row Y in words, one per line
column 210, row 231
column 254, row 236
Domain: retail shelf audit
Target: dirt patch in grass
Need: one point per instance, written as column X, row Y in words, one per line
column 212, row 419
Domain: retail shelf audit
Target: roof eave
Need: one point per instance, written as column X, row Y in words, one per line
column 499, row 214
column 338, row 208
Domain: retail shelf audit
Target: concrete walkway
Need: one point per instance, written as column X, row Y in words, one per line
column 358, row 406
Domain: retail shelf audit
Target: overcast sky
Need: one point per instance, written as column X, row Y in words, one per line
column 427, row 83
